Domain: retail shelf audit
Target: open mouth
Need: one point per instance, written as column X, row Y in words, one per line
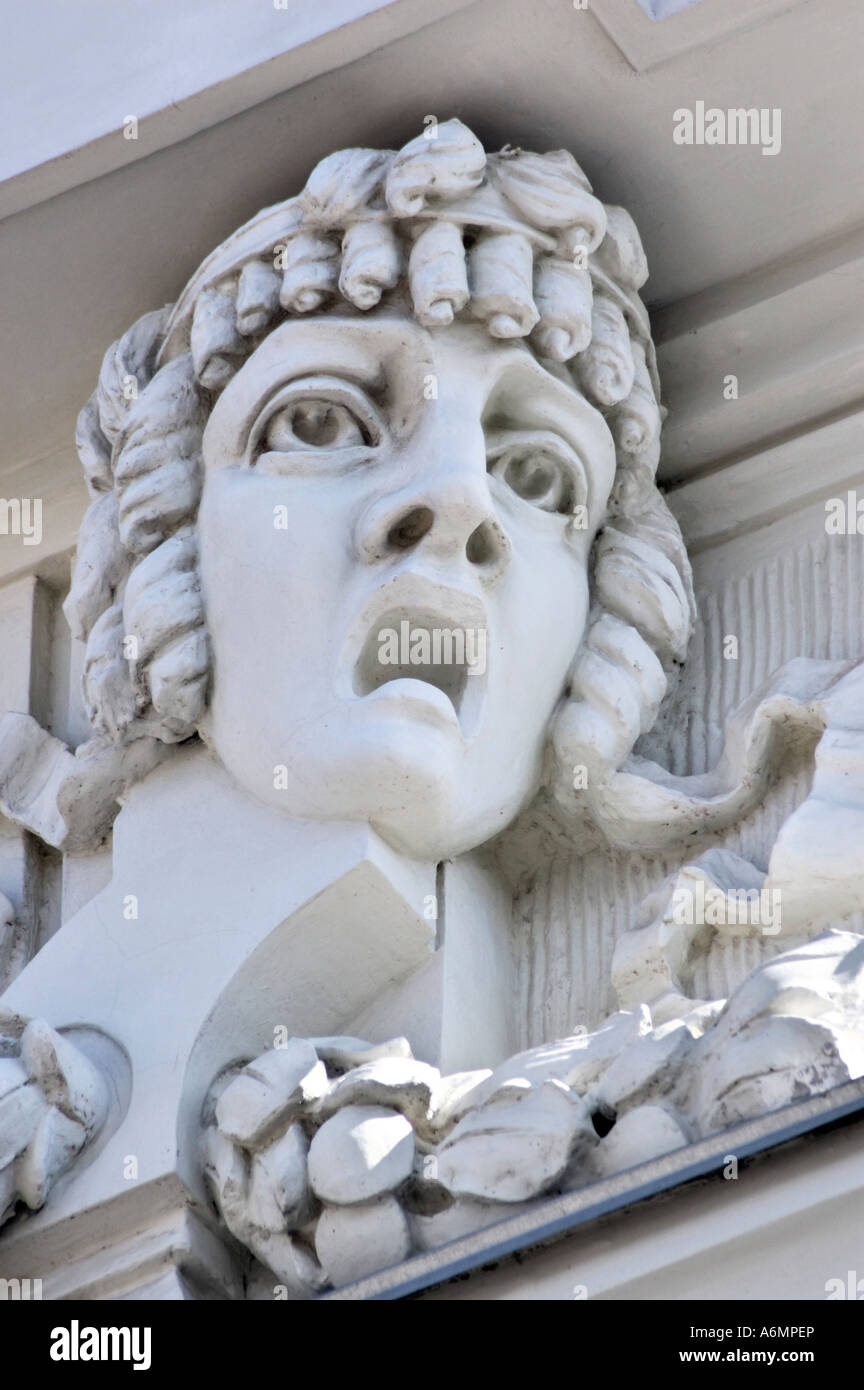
column 424, row 651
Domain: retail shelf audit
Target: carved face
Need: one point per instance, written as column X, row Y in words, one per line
column 394, row 537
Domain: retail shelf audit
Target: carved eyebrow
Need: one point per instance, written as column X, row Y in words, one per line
column 369, row 377
column 363, row 353
column 523, row 388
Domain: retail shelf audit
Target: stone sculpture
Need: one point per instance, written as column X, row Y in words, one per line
column 421, row 398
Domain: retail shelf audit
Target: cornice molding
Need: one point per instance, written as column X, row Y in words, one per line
column 326, row 38
column 651, row 32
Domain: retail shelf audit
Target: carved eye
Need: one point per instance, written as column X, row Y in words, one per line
column 314, row 424
column 314, row 415
column 541, row 472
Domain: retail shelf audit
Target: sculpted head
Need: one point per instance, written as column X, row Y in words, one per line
column 374, row 503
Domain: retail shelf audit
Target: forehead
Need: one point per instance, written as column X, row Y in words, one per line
column 406, row 367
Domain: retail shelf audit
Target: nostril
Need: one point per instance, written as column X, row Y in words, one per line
column 411, row 529
column 483, row 545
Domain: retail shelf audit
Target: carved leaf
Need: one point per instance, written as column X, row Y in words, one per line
column 340, row 185
column 435, row 169
column 508, row 1151
column 551, row 191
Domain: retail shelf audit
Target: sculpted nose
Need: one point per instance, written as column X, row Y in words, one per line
column 448, row 515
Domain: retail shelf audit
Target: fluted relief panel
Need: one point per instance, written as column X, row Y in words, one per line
column 789, row 590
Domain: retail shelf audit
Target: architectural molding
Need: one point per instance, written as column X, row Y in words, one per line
column 795, row 476
column 238, row 64
column 650, row 32
column 742, row 373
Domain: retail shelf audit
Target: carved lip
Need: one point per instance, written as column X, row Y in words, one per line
column 424, row 645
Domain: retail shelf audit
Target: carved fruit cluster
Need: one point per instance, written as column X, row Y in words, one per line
column 332, row 1158
column 52, row 1102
